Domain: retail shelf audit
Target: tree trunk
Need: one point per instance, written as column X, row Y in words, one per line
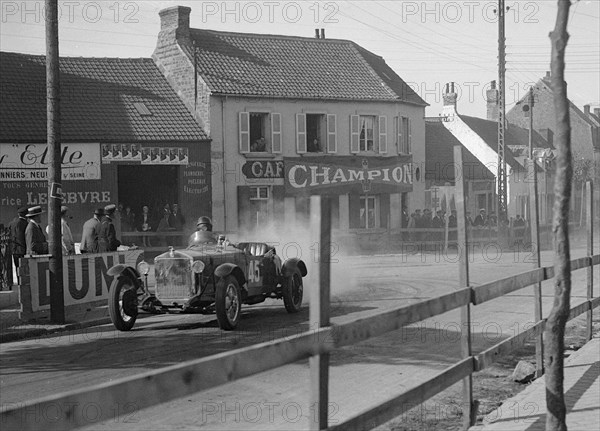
column 555, row 327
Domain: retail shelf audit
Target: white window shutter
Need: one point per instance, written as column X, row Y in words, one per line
column 244, row 126
column 354, row 133
column 276, row 133
column 409, row 141
column 331, row 133
column 382, row 134
column 301, row 133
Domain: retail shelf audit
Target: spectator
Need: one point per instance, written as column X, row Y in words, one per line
column 107, row 236
column 17, row 235
column 177, row 218
column 469, row 219
column 144, row 224
column 481, row 219
column 68, row 245
column 34, row 235
column 90, row 233
column 127, row 220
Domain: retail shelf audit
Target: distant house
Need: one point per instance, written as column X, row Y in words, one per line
column 290, row 117
column 479, row 139
column 114, row 114
column 585, row 134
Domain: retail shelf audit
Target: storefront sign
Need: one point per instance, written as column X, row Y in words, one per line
column 263, row 169
column 30, row 162
column 336, row 175
column 85, row 278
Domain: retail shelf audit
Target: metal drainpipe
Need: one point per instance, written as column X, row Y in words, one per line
column 223, row 167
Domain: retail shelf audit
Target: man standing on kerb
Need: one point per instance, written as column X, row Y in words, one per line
column 107, row 236
column 17, row 235
column 34, row 234
column 91, row 230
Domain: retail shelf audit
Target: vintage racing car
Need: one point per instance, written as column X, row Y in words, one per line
column 208, row 276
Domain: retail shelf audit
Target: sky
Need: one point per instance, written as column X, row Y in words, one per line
column 428, row 43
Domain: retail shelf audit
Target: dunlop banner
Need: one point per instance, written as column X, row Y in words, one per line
column 339, row 175
column 85, row 278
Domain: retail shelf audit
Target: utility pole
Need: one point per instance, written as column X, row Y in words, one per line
column 501, row 208
column 57, row 306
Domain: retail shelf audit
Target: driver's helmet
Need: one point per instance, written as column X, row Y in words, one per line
column 204, row 221
column 201, row 237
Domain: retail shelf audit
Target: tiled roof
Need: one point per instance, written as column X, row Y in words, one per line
column 97, row 101
column 513, row 136
column 439, row 156
column 295, row 67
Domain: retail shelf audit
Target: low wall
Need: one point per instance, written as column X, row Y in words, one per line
column 85, row 282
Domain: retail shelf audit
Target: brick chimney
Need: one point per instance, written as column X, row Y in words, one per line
column 548, row 77
column 174, row 25
column 492, row 102
column 450, row 97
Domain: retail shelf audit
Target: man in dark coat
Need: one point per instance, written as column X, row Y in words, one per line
column 17, row 235
column 91, row 230
column 107, row 236
column 35, row 239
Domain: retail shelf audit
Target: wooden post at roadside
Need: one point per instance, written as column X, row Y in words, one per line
column 469, row 406
column 320, row 226
column 535, row 246
column 589, row 203
column 57, row 305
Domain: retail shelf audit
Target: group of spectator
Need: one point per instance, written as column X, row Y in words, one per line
column 164, row 218
column 427, row 219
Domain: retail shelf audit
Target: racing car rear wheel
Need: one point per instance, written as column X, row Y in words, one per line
column 228, row 302
column 292, row 292
column 122, row 303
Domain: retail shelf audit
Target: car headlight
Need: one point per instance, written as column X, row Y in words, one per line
column 143, row 268
column 198, row 267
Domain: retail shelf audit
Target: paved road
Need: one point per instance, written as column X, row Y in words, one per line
column 360, row 376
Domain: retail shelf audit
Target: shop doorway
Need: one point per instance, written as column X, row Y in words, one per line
column 153, row 185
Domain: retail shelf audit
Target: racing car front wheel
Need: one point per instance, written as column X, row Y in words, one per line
column 228, row 302
column 292, row 292
column 122, row 303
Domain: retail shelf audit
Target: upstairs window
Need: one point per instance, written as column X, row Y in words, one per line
column 259, row 132
column 366, row 124
column 403, row 135
column 316, row 133
column 368, row 133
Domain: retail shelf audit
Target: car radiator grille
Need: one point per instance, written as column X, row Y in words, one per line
column 174, row 281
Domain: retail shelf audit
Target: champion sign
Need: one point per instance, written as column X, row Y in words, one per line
column 337, row 175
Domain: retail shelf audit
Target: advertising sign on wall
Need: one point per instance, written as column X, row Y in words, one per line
column 30, row 162
column 338, row 175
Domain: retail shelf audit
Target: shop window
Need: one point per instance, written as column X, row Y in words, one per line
column 260, row 132
column 403, row 135
column 368, row 133
column 369, row 211
column 259, row 193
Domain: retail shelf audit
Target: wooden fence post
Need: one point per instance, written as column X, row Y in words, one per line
column 589, row 202
column 320, row 223
column 469, row 406
column 535, row 246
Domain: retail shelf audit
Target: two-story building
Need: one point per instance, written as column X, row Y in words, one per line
column 479, row 139
column 290, row 117
column 585, row 136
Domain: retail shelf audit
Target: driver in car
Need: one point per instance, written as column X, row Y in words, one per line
column 203, row 234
